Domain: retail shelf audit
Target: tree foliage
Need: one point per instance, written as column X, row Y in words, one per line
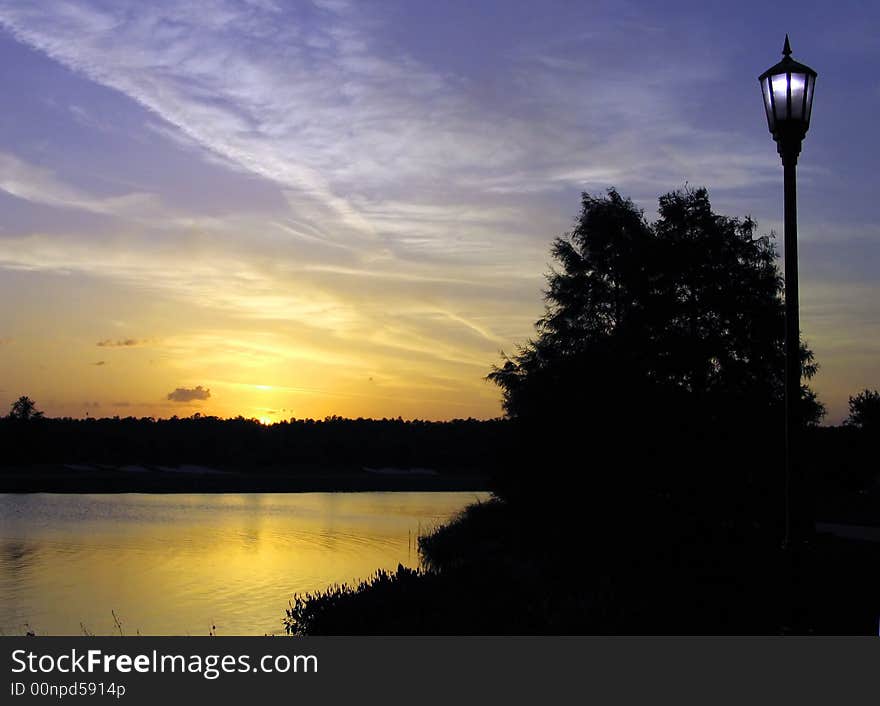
column 689, row 308
column 864, row 410
column 24, row 409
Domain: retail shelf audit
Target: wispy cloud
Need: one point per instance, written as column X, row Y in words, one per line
column 40, row 186
column 311, row 98
column 382, row 154
column 119, row 343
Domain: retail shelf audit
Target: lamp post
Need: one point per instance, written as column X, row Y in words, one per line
column 788, row 100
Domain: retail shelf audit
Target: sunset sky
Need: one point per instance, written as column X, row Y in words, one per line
column 280, row 209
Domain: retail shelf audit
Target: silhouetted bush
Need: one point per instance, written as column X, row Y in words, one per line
column 500, row 569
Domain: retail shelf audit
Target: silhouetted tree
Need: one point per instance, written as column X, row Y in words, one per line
column 864, row 410
column 658, row 365
column 24, row 409
column 690, row 305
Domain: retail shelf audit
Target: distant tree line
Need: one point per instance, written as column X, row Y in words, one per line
column 461, row 444
column 841, row 455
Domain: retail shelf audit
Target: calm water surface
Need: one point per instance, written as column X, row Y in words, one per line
column 178, row 564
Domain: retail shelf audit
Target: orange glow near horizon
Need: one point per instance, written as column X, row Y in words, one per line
column 216, row 363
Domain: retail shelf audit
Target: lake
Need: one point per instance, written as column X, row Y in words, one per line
column 178, row 564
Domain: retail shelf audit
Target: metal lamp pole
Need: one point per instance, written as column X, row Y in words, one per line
column 788, row 89
column 792, row 335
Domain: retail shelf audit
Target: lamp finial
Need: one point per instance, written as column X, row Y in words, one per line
column 786, row 49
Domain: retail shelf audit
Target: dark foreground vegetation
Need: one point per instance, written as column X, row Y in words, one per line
column 641, row 487
column 503, row 570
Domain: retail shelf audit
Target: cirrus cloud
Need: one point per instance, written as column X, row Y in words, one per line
column 119, row 343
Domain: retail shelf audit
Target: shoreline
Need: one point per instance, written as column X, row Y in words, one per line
column 88, row 478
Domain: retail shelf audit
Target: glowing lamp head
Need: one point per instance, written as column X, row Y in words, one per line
column 788, row 97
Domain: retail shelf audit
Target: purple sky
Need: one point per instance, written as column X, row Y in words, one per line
column 327, row 207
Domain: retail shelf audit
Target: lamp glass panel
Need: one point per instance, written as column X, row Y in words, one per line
column 798, row 86
column 768, row 105
column 779, row 83
column 811, row 81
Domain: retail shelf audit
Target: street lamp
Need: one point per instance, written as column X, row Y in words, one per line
column 788, row 89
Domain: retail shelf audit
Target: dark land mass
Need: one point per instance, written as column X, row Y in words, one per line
column 207, row 454
column 89, row 478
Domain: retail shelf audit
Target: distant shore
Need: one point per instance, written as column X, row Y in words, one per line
column 136, row 478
